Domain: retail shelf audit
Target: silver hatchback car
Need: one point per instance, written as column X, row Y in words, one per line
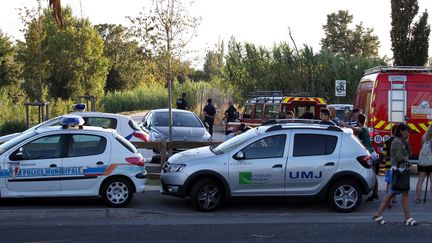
column 291, row 160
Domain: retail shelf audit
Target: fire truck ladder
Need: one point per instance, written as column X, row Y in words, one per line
column 397, row 98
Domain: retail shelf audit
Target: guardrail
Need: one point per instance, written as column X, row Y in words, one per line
column 164, row 146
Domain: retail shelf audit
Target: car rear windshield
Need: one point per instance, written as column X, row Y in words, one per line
column 180, row 119
column 126, row 144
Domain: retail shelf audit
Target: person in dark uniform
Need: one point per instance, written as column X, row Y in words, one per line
column 231, row 115
column 182, row 103
column 209, row 115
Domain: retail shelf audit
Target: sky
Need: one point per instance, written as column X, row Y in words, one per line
column 261, row 22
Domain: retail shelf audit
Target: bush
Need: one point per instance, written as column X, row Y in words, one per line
column 12, row 126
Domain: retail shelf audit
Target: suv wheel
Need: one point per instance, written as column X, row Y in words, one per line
column 206, row 195
column 117, row 192
column 345, row 196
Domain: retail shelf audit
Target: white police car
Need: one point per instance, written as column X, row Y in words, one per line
column 71, row 160
column 124, row 126
column 291, row 160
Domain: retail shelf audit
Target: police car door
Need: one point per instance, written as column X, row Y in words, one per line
column 312, row 161
column 33, row 168
column 87, row 159
column 259, row 168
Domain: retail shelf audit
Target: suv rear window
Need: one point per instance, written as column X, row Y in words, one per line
column 313, row 144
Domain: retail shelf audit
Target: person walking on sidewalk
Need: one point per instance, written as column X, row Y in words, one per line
column 209, row 115
column 387, row 159
column 425, row 162
column 400, row 152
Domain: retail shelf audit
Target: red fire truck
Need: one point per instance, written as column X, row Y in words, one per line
column 266, row 105
column 392, row 94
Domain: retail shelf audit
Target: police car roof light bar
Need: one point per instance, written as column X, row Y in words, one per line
column 68, row 121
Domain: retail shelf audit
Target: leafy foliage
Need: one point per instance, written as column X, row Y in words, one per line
column 343, row 41
column 410, row 44
column 64, row 63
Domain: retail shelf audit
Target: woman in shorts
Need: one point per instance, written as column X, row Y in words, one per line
column 423, row 169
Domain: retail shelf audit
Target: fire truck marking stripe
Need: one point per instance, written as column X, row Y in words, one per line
column 423, row 126
column 430, row 123
column 376, row 83
column 321, row 101
column 296, row 99
column 373, row 97
column 413, row 127
column 388, row 127
column 380, row 123
column 374, row 119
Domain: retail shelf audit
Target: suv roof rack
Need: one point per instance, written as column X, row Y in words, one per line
column 384, row 69
column 285, row 121
column 278, row 124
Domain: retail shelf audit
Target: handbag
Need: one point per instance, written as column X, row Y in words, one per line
column 400, row 180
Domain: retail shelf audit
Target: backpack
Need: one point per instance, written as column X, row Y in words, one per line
column 425, row 156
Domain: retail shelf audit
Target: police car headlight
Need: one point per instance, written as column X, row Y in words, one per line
column 168, row 167
column 156, row 137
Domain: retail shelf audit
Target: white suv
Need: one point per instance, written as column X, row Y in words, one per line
column 292, row 160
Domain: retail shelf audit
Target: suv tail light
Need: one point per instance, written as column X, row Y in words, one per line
column 136, row 161
column 365, row 161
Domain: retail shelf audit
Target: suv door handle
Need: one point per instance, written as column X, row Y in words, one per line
column 277, row 166
column 99, row 163
column 330, row 164
column 53, row 165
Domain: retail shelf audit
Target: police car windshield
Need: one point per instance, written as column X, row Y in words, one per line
column 235, row 141
column 14, row 141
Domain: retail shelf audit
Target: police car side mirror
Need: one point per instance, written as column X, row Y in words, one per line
column 239, row 156
column 18, row 155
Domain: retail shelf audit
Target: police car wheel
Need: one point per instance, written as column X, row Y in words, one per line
column 206, row 195
column 345, row 196
column 117, row 192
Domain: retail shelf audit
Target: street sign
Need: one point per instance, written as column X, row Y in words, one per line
column 340, row 88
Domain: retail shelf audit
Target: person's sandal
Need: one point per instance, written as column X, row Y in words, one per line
column 417, row 201
column 379, row 220
column 410, row 222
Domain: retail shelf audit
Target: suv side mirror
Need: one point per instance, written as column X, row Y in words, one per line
column 239, row 156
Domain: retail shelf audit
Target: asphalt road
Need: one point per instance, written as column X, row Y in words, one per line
column 152, row 217
column 245, row 232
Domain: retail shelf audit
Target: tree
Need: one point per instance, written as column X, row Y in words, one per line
column 10, row 68
column 410, row 42
column 342, row 40
column 128, row 63
column 214, row 62
column 165, row 30
column 66, row 62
